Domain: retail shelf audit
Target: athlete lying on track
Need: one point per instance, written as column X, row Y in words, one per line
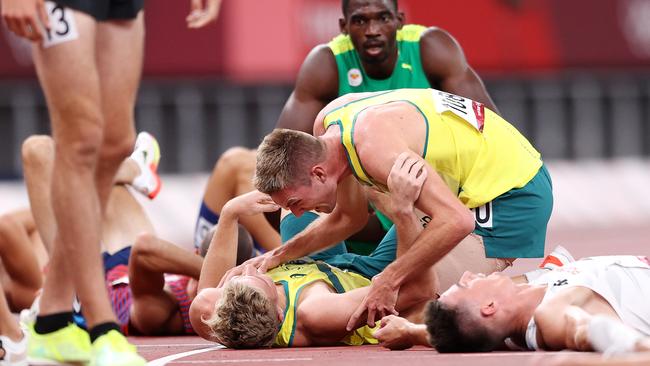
column 301, row 303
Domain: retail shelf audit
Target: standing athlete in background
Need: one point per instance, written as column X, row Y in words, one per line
column 88, row 56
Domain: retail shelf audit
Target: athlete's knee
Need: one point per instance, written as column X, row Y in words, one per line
column 235, row 159
column 9, row 226
column 36, row 150
column 145, row 245
column 118, row 147
column 80, row 148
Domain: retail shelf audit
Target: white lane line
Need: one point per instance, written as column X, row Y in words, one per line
column 164, row 360
column 174, row 345
column 265, row 360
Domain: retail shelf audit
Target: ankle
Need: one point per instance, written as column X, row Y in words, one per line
column 52, row 322
column 101, row 329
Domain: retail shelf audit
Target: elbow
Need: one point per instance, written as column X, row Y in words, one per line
column 463, row 224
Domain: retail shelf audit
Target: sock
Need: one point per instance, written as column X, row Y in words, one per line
column 53, row 322
column 101, row 329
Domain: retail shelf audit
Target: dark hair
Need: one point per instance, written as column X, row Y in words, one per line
column 345, row 3
column 447, row 334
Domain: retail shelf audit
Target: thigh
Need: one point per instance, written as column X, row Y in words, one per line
column 68, row 75
column 120, row 45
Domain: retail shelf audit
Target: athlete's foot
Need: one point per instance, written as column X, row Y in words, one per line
column 14, row 351
column 66, row 345
column 112, row 349
column 147, row 155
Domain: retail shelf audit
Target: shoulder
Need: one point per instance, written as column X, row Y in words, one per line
column 440, row 52
column 318, row 74
column 310, row 305
column 321, row 58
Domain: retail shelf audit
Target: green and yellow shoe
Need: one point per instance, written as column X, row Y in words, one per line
column 66, row 345
column 112, row 349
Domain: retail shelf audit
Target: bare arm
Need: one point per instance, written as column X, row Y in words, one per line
column 397, row 333
column 445, row 65
column 450, row 222
column 316, row 85
column 348, row 217
column 222, row 253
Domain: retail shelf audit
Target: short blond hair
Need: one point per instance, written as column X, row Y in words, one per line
column 244, row 318
column 284, row 158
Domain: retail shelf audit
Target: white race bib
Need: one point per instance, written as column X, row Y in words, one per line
column 467, row 109
column 62, row 25
column 482, row 216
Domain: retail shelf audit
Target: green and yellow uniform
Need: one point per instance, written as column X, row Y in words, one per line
column 479, row 156
column 408, row 71
column 295, row 276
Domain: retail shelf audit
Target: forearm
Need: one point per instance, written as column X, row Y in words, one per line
column 165, row 257
column 418, row 335
column 408, row 228
column 433, row 243
column 222, row 253
column 319, row 235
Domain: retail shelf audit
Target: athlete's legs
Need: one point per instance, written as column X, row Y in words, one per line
column 8, row 324
column 124, row 220
column 232, row 176
column 18, row 255
column 38, row 159
column 70, row 80
column 120, row 46
column 154, row 310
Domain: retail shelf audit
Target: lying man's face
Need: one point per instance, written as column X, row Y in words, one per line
column 478, row 288
column 260, row 281
column 246, row 312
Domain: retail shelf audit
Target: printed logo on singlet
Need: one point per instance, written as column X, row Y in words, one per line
column 354, row 77
column 561, row 283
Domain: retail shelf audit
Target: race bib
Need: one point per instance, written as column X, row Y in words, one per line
column 62, row 25
column 482, row 216
column 467, row 109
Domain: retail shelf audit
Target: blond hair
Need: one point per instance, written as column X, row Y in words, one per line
column 244, row 318
column 284, row 158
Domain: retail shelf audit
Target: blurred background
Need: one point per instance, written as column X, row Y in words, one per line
column 572, row 75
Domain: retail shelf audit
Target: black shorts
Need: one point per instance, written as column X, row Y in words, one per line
column 106, row 9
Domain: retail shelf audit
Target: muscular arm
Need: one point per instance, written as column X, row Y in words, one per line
column 445, row 65
column 316, row 85
column 450, row 220
column 323, row 315
column 348, row 217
